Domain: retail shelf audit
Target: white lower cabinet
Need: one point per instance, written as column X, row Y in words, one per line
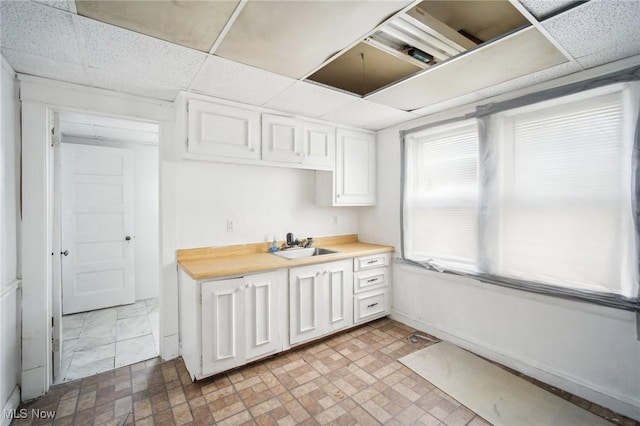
column 233, row 321
column 222, row 325
column 225, row 323
column 320, row 299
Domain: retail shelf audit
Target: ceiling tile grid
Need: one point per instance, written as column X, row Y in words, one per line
column 599, row 31
column 38, row 30
column 66, row 5
column 129, row 83
column 44, row 67
column 530, row 79
column 231, row 80
column 449, row 104
column 292, row 38
column 310, row 99
column 543, row 8
column 114, row 49
column 369, row 115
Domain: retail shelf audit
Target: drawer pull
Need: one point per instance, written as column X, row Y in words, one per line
column 372, row 305
column 371, row 262
column 372, row 280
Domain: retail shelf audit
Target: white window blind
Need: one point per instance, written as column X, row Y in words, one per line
column 556, row 194
column 442, row 196
column 565, row 201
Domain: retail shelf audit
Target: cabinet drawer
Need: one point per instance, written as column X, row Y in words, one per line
column 370, row 305
column 370, row 279
column 370, row 262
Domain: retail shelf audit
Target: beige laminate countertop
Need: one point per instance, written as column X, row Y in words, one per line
column 207, row 263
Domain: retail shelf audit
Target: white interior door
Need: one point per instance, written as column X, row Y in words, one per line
column 97, row 227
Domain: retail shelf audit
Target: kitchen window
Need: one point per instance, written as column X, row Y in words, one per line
column 540, row 194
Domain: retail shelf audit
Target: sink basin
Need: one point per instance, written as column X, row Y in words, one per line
column 299, row 253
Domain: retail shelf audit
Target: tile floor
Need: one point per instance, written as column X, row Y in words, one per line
column 98, row 341
column 350, row 378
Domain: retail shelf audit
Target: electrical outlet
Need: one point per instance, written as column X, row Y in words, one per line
column 231, row 225
column 335, row 220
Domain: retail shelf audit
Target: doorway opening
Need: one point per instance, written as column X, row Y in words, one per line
column 106, row 220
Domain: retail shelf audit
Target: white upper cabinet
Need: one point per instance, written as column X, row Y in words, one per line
column 355, row 174
column 221, row 130
column 319, row 145
column 282, row 139
column 353, row 183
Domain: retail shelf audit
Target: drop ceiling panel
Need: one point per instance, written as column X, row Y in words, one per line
column 519, row 54
column 226, row 79
column 131, row 84
column 117, row 50
column 531, row 79
column 310, row 99
column 369, row 115
column 543, row 8
column 481, row 18
column 293, row 38
column 348, row 72
column 26, row 63
column 66, row 5
column 449, row 104
column 598, row 32
column 194, row 24
column 38, row 30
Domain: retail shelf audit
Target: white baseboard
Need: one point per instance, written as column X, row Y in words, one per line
column 12, row 404
column 554, row 379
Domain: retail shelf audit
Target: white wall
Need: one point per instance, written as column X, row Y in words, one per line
column 9, row 235
column 262, row 201
column 146, row 207
column 585, row 349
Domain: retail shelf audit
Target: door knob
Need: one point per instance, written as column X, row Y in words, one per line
column 128, row 238
column 66, row 252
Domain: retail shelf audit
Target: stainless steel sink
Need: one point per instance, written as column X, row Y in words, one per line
column 299, row 253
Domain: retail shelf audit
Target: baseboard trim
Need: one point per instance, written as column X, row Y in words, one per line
column 618, row 405
column 11, row 405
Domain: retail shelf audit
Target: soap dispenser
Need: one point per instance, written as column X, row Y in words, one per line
column 274, row 245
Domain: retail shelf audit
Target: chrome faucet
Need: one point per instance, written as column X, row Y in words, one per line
column 291, row 242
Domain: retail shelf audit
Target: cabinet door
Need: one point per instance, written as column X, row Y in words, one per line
column 355, row 174
column 262, row 309
column 305, row 291
column 222, row 325
column 338, row 282
column 221, row 130
column 319, row 145
column 281, row 139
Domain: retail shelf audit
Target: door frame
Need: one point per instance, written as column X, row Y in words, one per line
column 40, row 98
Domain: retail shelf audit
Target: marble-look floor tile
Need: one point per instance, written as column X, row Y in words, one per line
column 135, row 350
column 71, row 333
column 68, row 347
column 99, row 335
column 154, row 320
column 88, row 356
column 101, row 316
column 90, row 369
column 129, row 328
column 133, row 310
column 73, row 320
column 152, row 305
